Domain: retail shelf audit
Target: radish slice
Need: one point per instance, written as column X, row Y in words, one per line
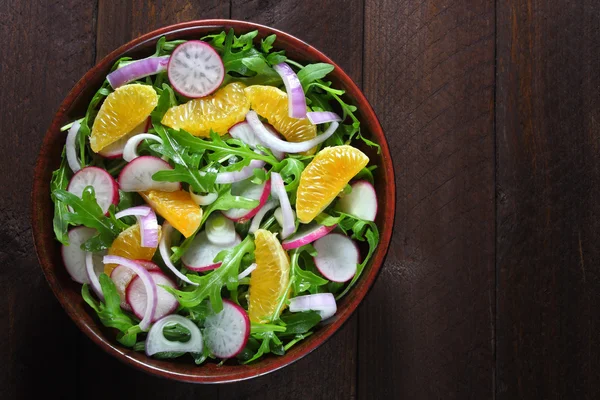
column 203, row 200
column 130, row 149
column 243, row 174
column 226, row 333
column 271, row 204
column 277, row 144
column 166, row 303
column 93, row 269
column 337, row 257
column 247, row 271
column 146, row 218
column 201, row 254
column 157, row 343
column 115, row 150
column 151, row 291
column 164, row 246
column 305, row 235
column 293, row 87
column 250, row 191
column 73, row 256
column 323, row 303
column 361, row 202
column 105, row 187
column 137, row 70
column 244, row 132
column 195, row 69
column 279, row 216
column 321, row 117
column 288, row 223
column 122, row 276
column 220, row 230
column 137, row 175
column 71, row 147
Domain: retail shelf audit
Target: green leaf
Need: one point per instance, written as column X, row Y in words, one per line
column 290, row 170
column 301, row 322
column 166, row 100
column 303, row 280
column 90, row 115
column 276, row 57
column 60, row 181
column 266, row 44
column 245, row 41
column 311, row 72
column 261, row 328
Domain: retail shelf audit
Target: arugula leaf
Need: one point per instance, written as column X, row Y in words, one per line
column 304, row 280
column 163, row 47
column 266, row 44
column 300, row 322
column 210, row 285
column 312, row 72
column 372, row 236
column 297, row 339
column 60, row 182
column 290, row 170
column 166, row 100
column 85, row 128
column 87, row 212
column 261, row 328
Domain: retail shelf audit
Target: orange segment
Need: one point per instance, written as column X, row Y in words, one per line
column 121, row 112
column 269, row 280
column 272, row 104
column 325, row 177
column 218, row 112
column 128, row 245
column 176, row 207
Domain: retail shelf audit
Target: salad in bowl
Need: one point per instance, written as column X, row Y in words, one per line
column 213, row 201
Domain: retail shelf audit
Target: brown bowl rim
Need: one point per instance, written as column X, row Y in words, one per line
column 43, row 238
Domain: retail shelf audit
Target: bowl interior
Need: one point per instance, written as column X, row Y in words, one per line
column 68, row 292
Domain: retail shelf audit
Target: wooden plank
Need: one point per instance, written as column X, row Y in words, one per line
column 330, row 371
column 548, row 179
column 426, row 329
column 41, row 61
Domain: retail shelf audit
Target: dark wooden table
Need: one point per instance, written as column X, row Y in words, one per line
column 492, row 280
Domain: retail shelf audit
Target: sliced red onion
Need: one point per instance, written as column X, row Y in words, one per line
column 323, row 303
column 71, row 148
column 151, row 299
column 243, row 174
column 130, row 149
column 293, row 87
column 269, row 205
column 93, row 275
column 137, row 70
column 203, row 200
column 157, row 343
column 244, row 132
column 247, row 271
column 280, row 145
column 278, row 214
column 321, row 117
column 148, row 222
column 220, row 230
column 278, row 191
column 163, row 247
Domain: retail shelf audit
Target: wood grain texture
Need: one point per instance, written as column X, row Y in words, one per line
column 428, row 324
column 548, row 104
column 34, row 82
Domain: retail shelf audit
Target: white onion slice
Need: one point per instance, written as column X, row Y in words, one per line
column 323, row 303
column 220, row 230
column 278, row 191
column 71, row 147
column 293, row 87
column 149, row 284
column 243, row 174
column 157, row 343
column 130, row 149
column 280, row 145
column 163, row 247
column 247, row 271
column 137, row 70
column 138, row 211
column 321, row 117
column 148, row 222
column 278, row 214
column 93, row 275
column 203, row 200
column 255, row 224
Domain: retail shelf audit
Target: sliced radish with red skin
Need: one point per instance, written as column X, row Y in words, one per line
column 201, row 254
column 226, row 333
column 337, row 257
column 166, row 303
column 122, row 276
column 115, row 150
column 105, row 187
column 361, row 202
column 195, row 69
column 251, row 191
column 137, row 175
column 73, row 256
column 323, row 303
column 305, row 235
